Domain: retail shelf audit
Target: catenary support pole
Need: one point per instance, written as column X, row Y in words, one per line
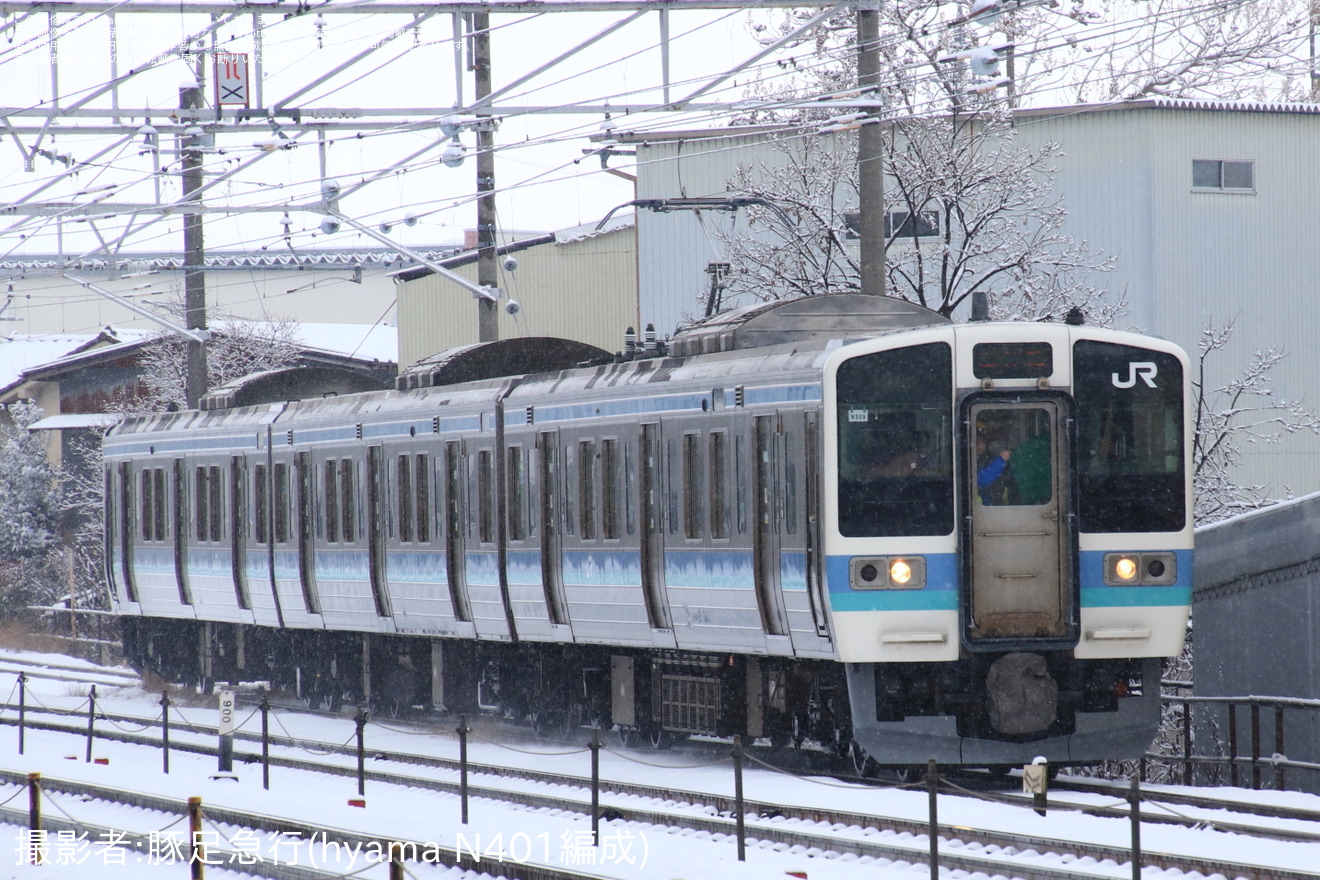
column 194, row 249
column 488, row 329
column 870, row 156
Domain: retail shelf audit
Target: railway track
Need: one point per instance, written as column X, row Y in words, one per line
column 827, row 831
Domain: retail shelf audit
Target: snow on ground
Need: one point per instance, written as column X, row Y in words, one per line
column 547, row 836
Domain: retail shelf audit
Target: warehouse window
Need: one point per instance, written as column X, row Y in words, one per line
column 1224, row 175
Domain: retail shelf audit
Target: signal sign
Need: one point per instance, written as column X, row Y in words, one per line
column 231, row 79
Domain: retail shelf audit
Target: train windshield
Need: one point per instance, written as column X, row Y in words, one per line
column 1129, row 439
column 895, row 449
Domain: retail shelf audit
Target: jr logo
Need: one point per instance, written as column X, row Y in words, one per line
column 1145, row 369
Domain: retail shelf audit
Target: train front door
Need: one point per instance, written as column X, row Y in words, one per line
column 1019, row 527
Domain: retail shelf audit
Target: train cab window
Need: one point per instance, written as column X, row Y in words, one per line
column 895, row 447
column 260, row 501
column 516, row 476
column 692, row 494
column 609, row 489
column 1130, row 453
column 718, row 475
column 587, row 489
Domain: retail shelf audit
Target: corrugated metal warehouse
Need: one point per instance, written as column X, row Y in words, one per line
column 1256, row 618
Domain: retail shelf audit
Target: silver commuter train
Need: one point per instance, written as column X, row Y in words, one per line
column 839, row 520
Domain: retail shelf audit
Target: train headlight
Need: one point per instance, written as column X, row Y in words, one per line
column 1125, row 568
column 1155, row 569
column 887, row 572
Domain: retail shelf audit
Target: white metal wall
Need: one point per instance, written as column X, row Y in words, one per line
column 1188, row 258
column 1184, row 258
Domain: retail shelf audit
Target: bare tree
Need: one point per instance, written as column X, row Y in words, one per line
column 969, row 209
column 238, row 347
column 1242, row 411
column 1190, row 49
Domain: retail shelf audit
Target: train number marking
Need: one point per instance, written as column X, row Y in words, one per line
column 1145, row 369
column 859, row 415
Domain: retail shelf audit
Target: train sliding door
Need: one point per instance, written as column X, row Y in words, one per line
column 767, row 486
column 1020, row 540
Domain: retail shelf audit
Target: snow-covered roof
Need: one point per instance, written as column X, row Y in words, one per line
column 22, row 353
column 378, row 342
column 1197, row 104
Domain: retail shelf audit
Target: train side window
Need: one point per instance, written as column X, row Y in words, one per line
column 719, row 470
column 692, row 486
column 740, row 481
column 790, row 486
column 516, row 478
column 671, row 477
column 405, row 497
column 158, row 514
column 346, row 509
column 569, row 521
column 237, row 531
column 260, row 502
column 422, row 484
column 629, row 488
column 281, row 503
column 485, row 498
column 609, row 489
column 217, row 501
column 587, row 488
column 148, row 499
column 332, row 501
column 201, row 501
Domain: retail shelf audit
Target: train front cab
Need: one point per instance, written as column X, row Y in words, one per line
column 1008, row 540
